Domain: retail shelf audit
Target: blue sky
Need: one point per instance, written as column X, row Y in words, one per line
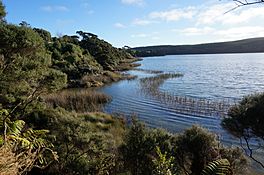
column 142, row 22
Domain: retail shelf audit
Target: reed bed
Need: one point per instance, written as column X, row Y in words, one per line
column 152, row 84
column 149, row 71
column 184, row 105
column 78, row 100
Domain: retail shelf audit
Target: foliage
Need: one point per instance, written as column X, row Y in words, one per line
column 186, row 153
column 103, row 52
column 2, row 11
column 195, row 148
column 136, row 149
column 89, row 56
column 70, row 58
column 246, row 121
column 32, row 65
column 238, row 162
column 45, row 35
column 162, row 164
column 86, row 143
column 23, row 147
column 25, row 75
column 24, row 63
column 140, row 146
column 218, row 167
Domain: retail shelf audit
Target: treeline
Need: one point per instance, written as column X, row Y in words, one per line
column 254, row 45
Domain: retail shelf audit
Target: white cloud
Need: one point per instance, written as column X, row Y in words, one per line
column 243, row 16
column 204, row 23
column 49, row 8
column 194, row 31
column 142, row 22
column 212, row 14
column 149, row 36
column 174, row 14
column 119, row 25
column 141, row 35
column 133, row 2
column 227, row 34
column 240, row 32
column 218, row 14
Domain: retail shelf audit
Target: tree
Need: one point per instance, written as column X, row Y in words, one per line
column 139, row 149
column 197, row 147
column 25, row 75
column 25, row 71
column 2, row 11
column 246, row 122
column 24, row 24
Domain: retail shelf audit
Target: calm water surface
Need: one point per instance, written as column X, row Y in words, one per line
column 214, row 77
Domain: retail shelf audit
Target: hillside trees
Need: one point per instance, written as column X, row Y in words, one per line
column 70, row 58
column 104, row 53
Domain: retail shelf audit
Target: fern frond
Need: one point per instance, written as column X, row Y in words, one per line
column 218, row 167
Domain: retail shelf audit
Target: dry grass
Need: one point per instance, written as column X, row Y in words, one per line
column 12, row 163
column 8, row 162
column 78, row 100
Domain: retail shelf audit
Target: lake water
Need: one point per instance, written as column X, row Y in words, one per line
column 213, row 77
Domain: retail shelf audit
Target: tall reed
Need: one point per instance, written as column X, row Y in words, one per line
column 181, row 104
column 78, row 100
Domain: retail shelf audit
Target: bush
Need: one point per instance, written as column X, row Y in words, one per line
column 185, row 153
column 246, row 121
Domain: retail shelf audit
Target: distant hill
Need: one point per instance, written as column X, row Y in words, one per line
column 253, row 45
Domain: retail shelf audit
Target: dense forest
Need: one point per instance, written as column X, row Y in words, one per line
column 253, row 45
column 48, row 129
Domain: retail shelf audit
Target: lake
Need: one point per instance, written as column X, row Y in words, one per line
column 219, row 77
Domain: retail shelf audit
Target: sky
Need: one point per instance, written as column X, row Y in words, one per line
column 142, row 22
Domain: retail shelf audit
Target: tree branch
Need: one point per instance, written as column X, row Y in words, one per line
column 240, row 3
column 251, row 153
